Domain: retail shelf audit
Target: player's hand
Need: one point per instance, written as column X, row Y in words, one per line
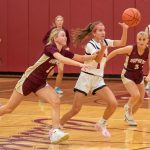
column 103, row 45
column 123, row 25
column 67, row 48
column 100, row 53
column 85, row 66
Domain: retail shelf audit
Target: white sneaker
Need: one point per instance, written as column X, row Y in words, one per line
column 57, row 136
column 103, row 129
column 128, row 117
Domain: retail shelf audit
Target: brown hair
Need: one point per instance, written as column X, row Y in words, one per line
column 79, row 34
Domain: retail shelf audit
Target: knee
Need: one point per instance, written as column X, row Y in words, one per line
column 114, row 104
column 140, row 101
column 56, row 102
column 136, row 96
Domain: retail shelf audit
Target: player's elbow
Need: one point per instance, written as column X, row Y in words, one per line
column 123, row 43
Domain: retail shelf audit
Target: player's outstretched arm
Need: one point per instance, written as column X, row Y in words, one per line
column 67, row 61
column 123, row 40
column 123, row 50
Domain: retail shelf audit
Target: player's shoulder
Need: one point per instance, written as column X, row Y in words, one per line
column 108, row 42
column 92, row 44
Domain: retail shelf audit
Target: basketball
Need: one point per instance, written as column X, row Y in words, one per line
column 131, row 17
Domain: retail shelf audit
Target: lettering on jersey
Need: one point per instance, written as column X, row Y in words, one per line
column 137, row 60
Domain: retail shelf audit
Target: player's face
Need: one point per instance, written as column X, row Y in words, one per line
column 142, row 40
column 61, row 38
column 99, row 33
column 59, row 22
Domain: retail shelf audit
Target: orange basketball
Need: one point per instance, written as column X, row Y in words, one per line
column 131, row 17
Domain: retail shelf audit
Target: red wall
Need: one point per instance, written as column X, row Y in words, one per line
column 23, row 24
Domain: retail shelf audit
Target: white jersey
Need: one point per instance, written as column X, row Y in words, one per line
column 91, row 48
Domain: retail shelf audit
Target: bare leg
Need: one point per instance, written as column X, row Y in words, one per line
column 135, row 94
column 76, row 107
column 48, row 94
column 59, row 75
column 56, row 135
column 141, row 88
column 107, row 96
column 13, row 102
column 51, row 73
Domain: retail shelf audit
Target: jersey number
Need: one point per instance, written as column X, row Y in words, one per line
column 136, row 66
column 98, row 66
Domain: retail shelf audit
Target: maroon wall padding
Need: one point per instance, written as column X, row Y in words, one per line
column 17, row 35
column 23, row 23
column 3, row 35
column 38, row 25
column 144, row 9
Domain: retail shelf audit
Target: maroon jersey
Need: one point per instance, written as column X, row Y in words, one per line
column 134, row 64
column 35, row 76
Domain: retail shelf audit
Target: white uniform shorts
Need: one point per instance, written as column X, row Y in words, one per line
column 89, row 83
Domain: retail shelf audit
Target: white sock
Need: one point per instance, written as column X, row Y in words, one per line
column 102, row 121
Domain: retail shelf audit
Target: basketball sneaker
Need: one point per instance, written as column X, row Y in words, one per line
column 57, row 136
column 128, row 117
column 58, row 90
column 101, row 126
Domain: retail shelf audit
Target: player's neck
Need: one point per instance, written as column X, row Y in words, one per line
column 59, row 47
column 97, row 40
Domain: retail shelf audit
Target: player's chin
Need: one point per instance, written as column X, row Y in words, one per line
column 102, row 37
column 64, row 44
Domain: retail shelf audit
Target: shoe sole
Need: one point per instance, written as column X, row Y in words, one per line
column 132, row 125
column 64, row 138
column 100, row 130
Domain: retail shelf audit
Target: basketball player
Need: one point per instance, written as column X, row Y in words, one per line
column 132, row 74
column 34, row 80
column 59, row 21
column 92, row 80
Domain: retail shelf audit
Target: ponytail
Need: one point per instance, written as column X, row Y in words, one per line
column 79, row 34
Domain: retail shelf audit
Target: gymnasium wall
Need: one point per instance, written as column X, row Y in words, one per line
column 23, row 24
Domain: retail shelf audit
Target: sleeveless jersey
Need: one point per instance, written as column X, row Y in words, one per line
column 133, row 67
column 135, row 62
column 91, row 48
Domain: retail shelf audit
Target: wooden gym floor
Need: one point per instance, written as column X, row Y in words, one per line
column 27, row 127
